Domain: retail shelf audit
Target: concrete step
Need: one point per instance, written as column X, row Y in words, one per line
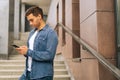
column 19, row 72
column 16, row 63
column 15, row 77
column 59, row 62
column 59, row 66
column 20, row 42
column 21, row 57
column 60, row 72
column 12, row 62
column 61, row 77
column 19, row 62
column 17, row 57
column 11, row 72
column 25, row 33
column 14, row 66
column 24, row 36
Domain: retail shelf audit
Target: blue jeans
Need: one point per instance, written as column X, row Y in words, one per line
column 28, row 77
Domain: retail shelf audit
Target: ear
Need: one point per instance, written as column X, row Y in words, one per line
column 39, row 16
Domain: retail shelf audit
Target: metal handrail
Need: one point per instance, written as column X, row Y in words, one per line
column 115, row 71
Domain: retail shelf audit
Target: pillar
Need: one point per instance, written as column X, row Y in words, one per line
column 23, row 18
column 6, row 31
column 16, row 19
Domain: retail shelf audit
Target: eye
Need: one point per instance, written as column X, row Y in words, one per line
column 31, row 20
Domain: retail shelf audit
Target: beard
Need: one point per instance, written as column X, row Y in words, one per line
column 37, row 25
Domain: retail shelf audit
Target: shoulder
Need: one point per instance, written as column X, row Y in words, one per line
column 49, row 28
column 49, row 31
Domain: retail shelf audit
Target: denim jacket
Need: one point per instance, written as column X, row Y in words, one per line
column 43, row 53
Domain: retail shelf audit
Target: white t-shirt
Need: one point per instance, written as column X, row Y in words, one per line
column 31, row 45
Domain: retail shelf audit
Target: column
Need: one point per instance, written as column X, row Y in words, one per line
column 6, row 31
column 23, row 18
column 16, row 19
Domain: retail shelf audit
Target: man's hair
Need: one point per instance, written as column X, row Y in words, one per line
column 35, row 11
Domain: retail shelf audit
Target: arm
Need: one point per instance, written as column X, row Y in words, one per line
column 49, row 54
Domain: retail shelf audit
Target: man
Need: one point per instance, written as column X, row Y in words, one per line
column 41, row 48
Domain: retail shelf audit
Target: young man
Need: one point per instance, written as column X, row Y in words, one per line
column 41, row 48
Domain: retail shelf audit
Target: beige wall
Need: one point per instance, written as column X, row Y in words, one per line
column 106, row 28
column 52, row 20
column 97, row 28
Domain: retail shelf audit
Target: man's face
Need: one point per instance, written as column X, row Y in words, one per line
column 34, row 21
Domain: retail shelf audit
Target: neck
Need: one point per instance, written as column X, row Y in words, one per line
column 42, row 25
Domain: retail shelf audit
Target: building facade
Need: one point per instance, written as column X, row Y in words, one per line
column 92, row 21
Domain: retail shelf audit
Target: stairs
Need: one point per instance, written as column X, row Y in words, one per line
column 13, row 68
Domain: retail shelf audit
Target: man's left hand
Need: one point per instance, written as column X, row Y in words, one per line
column 22, row 50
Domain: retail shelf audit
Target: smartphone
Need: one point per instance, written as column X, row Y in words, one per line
column 15, row 46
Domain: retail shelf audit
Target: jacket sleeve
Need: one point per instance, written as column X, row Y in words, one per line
column 49, row 54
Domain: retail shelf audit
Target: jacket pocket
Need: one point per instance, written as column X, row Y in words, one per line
column 41, row 43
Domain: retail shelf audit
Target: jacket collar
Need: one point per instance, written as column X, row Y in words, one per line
column 44, row 28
